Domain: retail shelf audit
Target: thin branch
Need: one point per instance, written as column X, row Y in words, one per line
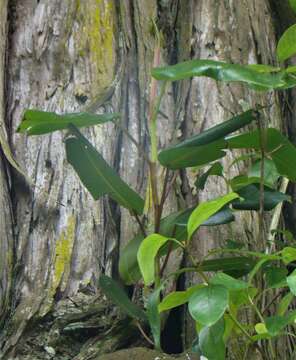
column 140, row 223
column 145, row 336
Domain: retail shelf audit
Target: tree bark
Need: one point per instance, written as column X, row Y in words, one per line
column 71, row 56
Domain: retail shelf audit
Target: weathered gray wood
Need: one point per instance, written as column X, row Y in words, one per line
column 6, row 236
column 69, row 55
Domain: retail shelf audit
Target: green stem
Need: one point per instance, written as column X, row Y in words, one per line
column 239, row 325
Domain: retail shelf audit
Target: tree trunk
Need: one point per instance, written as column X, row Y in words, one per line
column 71, row 56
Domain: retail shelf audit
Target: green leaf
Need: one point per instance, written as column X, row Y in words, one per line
column 221, row 71
column 183, row 157
column 279, row 148
column 260, row 328
column 177, row 298
column 154, row 317
column 221, row 217
column 275, row 277
column 276, row 324
column 288, row 254
column 229, row 282
column 118, row 296
column 284, row 304
column 128, row 265
column 97, row 176
column 207, row 305
column 293, row 5
column 261, row 68
column 241, row 297
column 211, row 341
column 147, row 253
column 291, row 281
column 251, row 198
column 205, row 210
column 233, row 266
column 286, row 47
column 215, row 169
column 241, row 181
column 271, row 174
column 205, row 147
column 37, row 122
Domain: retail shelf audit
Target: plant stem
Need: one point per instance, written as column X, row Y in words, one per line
column 145, row 336
column 239, row 325
column 140, row 223
column 262, row 141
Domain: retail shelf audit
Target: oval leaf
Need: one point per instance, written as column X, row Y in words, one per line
column 177, row 298
column 117, row 295
column 205, row 210
column 147, row 253
column 37, row 122
column 97, row 176
column 207, row 305
column 287, row 45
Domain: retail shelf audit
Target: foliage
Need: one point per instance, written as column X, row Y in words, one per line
column 216, row 301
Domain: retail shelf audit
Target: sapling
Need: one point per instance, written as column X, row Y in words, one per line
column 227, row 281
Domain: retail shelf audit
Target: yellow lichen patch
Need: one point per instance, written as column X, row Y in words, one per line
column 62, row 262
column 94, row 38
column 64, row 246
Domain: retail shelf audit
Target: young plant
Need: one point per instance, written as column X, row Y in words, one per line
column 216, row 301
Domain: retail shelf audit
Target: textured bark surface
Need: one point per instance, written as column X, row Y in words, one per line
column 73, row 55
column 6, row 229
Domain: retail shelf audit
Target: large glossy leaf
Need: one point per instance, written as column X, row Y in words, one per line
column 291, row 280
column 206, row 146
column 207, row 305
column 147, row 253
column 271, row 174
column 205, row 210
column 97, row 176
column 177, row 298
column 221, row 71
column 37, row 122
column 183, row 157
column 287, row 46
column 118, row 296
column 211, row 342
column 229, row 282
column 280, row 149
column 154, row 316
column 251, row 198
